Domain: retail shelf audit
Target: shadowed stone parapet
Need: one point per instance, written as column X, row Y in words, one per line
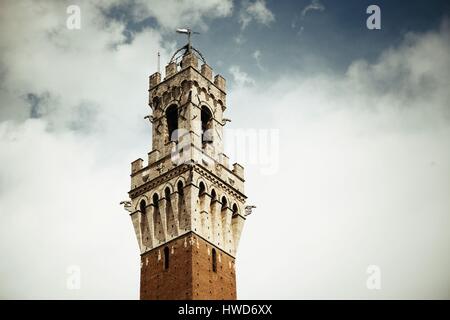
column 136, row 165
column 171, row 69
column 155, row 79
column 206, row 71
column 219, row 81
column 189, row 60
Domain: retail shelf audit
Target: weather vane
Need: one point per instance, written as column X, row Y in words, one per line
column 188, row 47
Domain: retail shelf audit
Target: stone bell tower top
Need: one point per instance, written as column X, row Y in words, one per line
column 188, row 181
column 187, row 204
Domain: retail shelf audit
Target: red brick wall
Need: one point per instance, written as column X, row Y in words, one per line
column 190, row 274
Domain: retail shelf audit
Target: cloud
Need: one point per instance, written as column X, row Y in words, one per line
column 85, row 92
column 240, row 77
column 364, row 167
column 315, row 5
column 257, row 56
column 172, row 14
column 239, row 39
column 257, row 11
column 59, row 208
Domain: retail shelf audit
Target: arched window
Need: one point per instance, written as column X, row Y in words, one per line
column 180, row 188
column 166, row 258
column 201, row 195
column 214, row 260
column 224, row 203
column 172, row 121
column 156, row 200
column 213, row 195
column 167, row 193
column 144, row 227
column 202, row 188
column 235, row 209
column 207, row 121
column 143, row 207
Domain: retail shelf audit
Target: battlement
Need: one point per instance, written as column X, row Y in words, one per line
column 189, row 60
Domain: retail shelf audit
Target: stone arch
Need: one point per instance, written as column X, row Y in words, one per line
column 235, row 209
column 201, row 188
column 143, row 206
column 157, row 222
column 179, row 185
column 205, row 104
column 169, row 186
column 224, row 201
column 144, row 227
column 142, row 197
column 170, row 103
column 171, row 114
column 167, row 192
column 213, row 194
column 207, row 122
column 185, row 85
column 200, row 180
column 155, row 196
column 156, row 102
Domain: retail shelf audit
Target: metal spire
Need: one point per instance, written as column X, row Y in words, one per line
column 188, row 48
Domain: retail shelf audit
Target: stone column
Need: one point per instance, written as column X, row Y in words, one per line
column 136, row 219
column 227, row 214
column 206, row 217
column 174, row 202
column 163, row 213
column 191, row 209
column 216, row 222
column 237, row 226
column 151, row 224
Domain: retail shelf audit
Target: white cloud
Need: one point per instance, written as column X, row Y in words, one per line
column 363, row 179
column 257, row 11
column 239, row 39
column 64, row 173
column 172, row 14
column 315, row 5
column 60, row 184
column 240, row 77
column 257, row 56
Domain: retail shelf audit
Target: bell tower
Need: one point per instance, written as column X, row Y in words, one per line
column 187, row 204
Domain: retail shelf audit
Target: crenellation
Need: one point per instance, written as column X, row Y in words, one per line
column 154, row 79
column 153, row 156
column 219, row 81
column 136, row 165
column 224, row 160
column 206, row 71
column 189, row 60
column 171, row 69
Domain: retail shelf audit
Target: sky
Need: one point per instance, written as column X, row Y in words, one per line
column 350, row 169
